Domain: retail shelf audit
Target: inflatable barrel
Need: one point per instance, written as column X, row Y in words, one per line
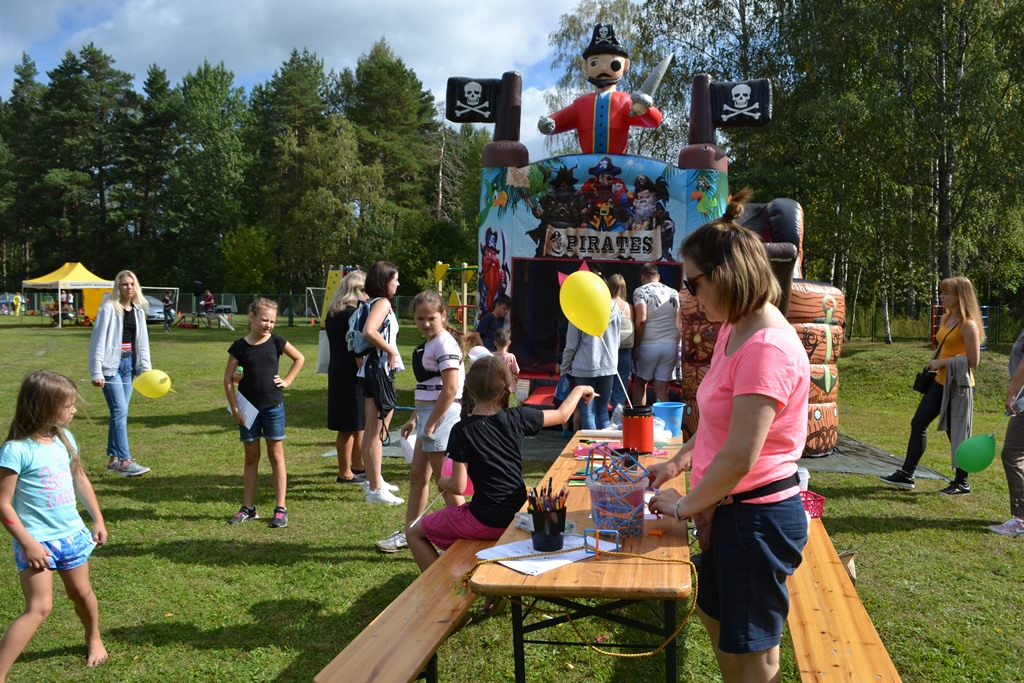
column 818, row 312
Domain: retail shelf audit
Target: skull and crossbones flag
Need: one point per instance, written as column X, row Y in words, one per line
column 747, row 104
column 472, row 100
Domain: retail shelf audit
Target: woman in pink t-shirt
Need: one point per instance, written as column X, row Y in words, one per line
column 753, row 425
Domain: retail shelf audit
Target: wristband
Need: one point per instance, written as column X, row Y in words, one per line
column 675, row 512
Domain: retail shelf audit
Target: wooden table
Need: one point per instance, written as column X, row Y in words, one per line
column 616, row 581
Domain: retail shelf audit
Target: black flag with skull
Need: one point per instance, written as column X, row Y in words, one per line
column 747, row 104
column 472, row 100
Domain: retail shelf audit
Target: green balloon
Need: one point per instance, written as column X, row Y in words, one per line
column 976, row 453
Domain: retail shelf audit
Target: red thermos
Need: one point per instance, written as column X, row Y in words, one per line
column 638, row 429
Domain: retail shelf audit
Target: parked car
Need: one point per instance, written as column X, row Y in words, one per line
column 155, row 314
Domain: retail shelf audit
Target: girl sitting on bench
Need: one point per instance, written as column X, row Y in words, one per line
column 486, row 446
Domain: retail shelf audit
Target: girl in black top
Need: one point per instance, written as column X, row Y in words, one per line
column 258, row 353
column 486, row 446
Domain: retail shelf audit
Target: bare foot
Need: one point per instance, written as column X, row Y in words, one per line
column 97, row 654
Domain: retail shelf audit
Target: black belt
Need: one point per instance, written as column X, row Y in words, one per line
column 766, row 490
column 126, row 354
column 457, row 400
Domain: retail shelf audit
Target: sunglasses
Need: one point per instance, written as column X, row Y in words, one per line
column 691, row 283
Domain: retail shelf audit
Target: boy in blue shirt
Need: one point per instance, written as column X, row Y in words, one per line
column 493, row 321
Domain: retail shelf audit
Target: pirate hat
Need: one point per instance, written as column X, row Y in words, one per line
column 563, row 177
column 604, row 42
column 604, row 167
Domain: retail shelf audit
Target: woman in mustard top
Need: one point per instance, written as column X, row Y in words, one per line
column 960, row 334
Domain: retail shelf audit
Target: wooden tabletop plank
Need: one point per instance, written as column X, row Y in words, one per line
column 604, row 577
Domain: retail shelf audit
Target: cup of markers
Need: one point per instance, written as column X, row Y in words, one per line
column 548, row 512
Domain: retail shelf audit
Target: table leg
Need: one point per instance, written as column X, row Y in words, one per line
column 518, row 650
column 670, row 649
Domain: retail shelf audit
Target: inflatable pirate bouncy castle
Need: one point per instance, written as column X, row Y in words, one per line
column 618, row 211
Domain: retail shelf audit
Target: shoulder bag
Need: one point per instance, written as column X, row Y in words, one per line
column 925, row 378
column 380, row 384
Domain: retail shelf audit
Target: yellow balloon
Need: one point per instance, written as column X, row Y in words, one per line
column 586, row 302
column 152, row 383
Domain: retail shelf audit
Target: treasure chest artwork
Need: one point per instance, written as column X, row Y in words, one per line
column 472, row 100
column 747, row 104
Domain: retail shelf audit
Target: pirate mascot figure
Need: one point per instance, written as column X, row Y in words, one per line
column 602, row 119
column 561, row 208
column 490, row 266
column 606, row 198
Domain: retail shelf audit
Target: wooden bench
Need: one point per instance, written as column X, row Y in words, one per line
column 833, row 637
column 403, row 640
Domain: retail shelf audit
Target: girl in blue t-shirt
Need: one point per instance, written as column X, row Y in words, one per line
column 41, row 482
column 258, row 407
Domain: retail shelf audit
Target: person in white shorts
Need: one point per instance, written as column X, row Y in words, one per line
column 656, row 335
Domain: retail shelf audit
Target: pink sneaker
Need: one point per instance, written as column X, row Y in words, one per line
column 1011, row 527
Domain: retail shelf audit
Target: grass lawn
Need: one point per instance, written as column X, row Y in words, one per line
column 184, row 597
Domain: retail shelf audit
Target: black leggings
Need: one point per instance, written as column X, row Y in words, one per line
column 927, row 410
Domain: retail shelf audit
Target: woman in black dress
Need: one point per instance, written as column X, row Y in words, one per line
column 346, row 412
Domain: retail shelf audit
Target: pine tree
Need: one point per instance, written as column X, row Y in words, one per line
column 394, row 118
column 84, row 110
column 19, row 126
column 149, row 166
column 207, row 187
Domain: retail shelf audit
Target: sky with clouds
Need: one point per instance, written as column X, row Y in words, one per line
column 435, row 38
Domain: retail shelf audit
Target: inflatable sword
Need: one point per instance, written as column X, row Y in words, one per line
column 645, row 95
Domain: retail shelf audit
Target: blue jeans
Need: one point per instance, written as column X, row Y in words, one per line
column 118, row 392
column 594, row 415
column 625, row 367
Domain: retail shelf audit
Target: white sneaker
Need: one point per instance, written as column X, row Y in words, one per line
column 383, row 485
column 1011, row 527
column 382, row 495
column 393, row 543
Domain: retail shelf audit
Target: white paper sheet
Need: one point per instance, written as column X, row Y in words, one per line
column 248, row 410
column 647, row 510
column 608, row 434
column 535, row 565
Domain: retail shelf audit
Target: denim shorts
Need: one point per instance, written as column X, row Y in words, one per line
column 65, row 553
column 438, row 441
column 742, row 576
column 269, row 424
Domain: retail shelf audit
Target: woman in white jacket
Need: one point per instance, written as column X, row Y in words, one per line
column 118, row 351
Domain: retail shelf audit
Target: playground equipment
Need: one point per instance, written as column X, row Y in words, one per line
column 461, row 300
column 539, row 221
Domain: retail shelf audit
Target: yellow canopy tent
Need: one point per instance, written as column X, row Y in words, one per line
column 74, row 276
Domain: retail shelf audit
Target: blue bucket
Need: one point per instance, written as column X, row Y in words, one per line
column 671, row 413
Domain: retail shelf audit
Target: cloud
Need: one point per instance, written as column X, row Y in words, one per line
column 436, row 38
column 252, row 38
